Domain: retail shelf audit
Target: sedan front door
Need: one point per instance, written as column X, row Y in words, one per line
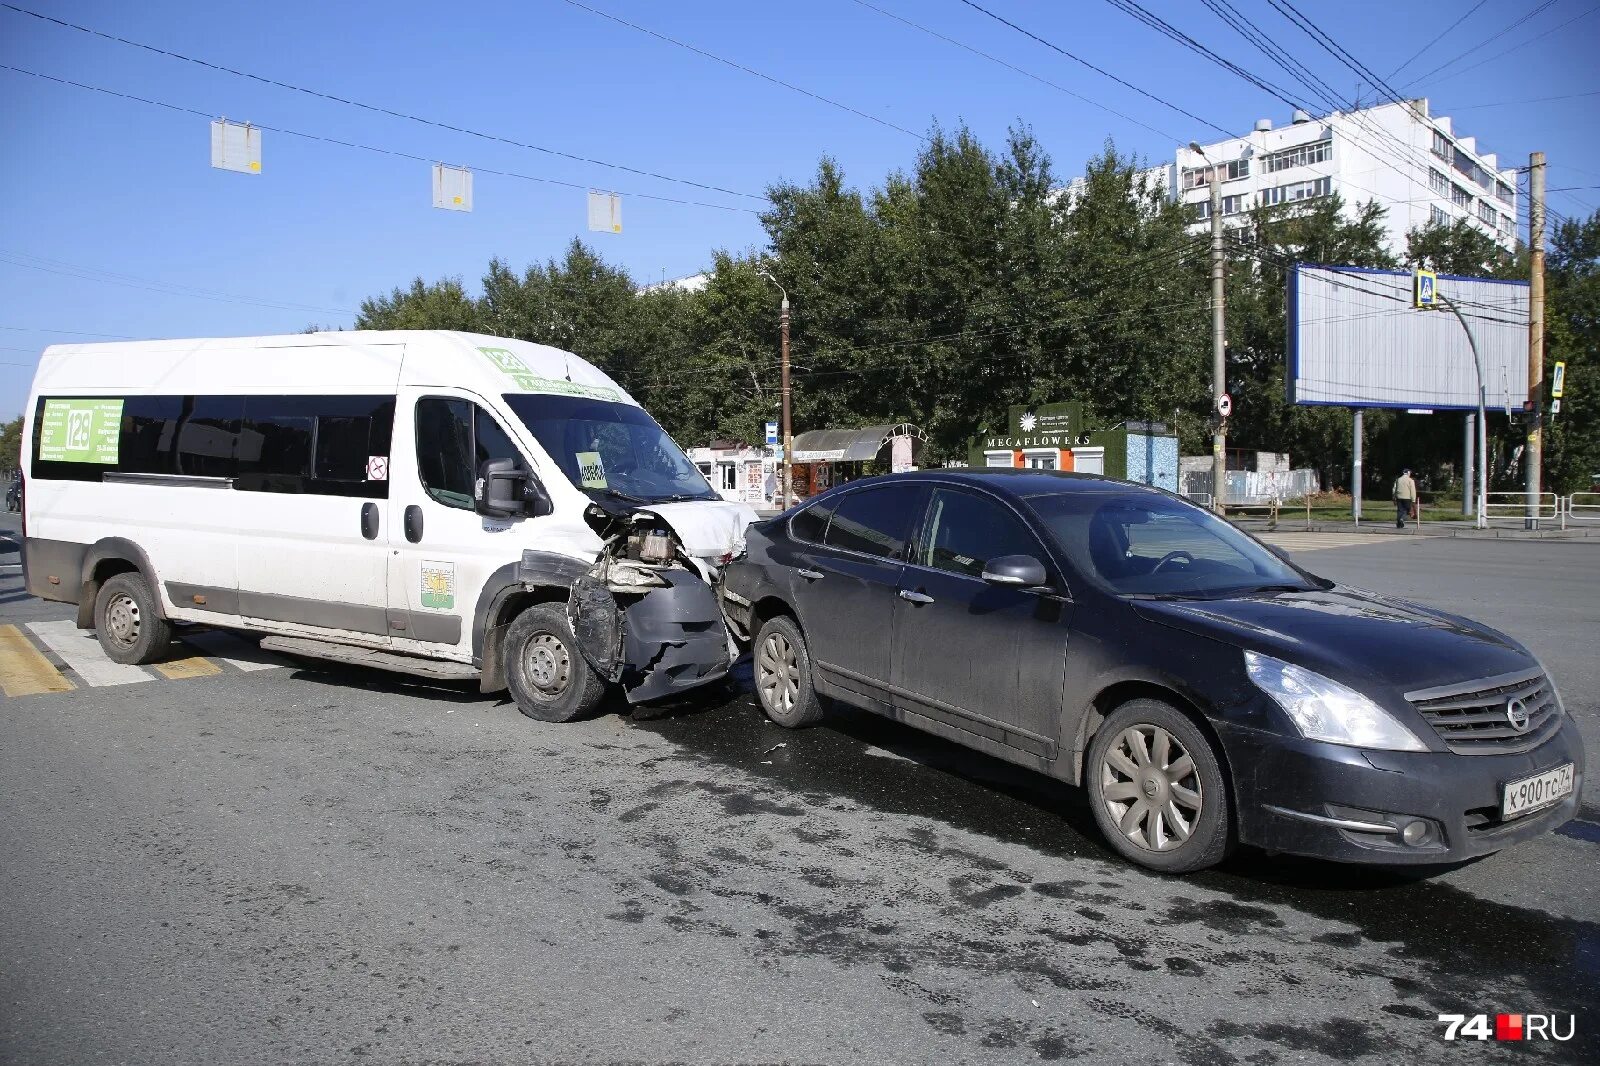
column 987, row 659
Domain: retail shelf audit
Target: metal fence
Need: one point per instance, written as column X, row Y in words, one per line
column 1519, row 506
column 1253, row 488
column 1581, row 507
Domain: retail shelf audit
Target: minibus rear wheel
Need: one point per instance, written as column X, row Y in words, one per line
column 545, row 670
column 128, row 623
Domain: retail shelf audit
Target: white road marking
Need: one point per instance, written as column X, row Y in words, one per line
column 235, row 651
column 79, row 649
column 1306, row 542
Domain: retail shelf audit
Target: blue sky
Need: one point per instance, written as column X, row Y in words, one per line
column 113, row 223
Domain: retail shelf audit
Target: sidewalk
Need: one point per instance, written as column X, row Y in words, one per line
column 1499, row 528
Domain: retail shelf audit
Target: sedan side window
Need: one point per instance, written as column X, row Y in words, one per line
column 874, row 521
column 963, row 532
column 811, row 523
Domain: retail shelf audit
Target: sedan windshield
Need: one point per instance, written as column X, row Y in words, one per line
column 1145, row 544
column 613, row 449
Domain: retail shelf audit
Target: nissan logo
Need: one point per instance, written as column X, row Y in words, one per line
column 1517, row 715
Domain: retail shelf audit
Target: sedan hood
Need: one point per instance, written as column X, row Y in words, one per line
column 1349, row 634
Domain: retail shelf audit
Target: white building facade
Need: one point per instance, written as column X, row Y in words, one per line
column 1414, row 165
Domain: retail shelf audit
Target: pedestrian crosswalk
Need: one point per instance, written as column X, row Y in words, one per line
column 44, row 657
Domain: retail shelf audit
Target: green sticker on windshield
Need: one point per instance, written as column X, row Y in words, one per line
column 591, row 472
column 80, row 431
column 512, row 366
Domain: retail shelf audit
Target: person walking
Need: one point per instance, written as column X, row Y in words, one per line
column 1405, row 498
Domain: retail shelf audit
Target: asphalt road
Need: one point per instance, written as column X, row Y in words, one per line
column 326, row 865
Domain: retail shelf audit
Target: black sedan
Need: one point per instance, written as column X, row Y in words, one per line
column 1205, row 690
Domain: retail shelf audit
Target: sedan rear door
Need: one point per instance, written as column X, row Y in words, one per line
column 844, row 588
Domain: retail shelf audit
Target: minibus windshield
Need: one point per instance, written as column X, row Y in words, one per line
column 609, row 448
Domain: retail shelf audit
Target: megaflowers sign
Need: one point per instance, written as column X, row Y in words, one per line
column 1051, row 425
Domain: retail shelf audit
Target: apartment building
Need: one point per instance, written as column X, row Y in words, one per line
column 1414, row 164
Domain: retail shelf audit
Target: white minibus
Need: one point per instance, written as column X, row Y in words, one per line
column 438, row 503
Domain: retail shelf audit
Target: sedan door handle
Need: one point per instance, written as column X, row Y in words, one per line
column 811, row 575
column 915, row 597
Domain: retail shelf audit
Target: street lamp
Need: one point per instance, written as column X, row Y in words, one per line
column 788, row 435
column 1219, row 340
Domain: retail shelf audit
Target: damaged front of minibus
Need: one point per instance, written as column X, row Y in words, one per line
column 645, row 612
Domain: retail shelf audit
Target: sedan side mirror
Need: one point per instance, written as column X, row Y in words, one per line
column 1016, row 571
column 499, row 489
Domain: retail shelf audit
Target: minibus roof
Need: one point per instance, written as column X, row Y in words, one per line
column 350, row 361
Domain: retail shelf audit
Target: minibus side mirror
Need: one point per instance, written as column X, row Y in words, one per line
column 499, row 491
column 536, row 501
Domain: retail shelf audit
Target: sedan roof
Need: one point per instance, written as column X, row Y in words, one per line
column 1019, row 482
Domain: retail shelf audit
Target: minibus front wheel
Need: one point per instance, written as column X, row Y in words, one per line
column 547, row 674
column 128, row 622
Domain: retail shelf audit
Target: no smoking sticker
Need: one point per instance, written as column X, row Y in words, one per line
column 377, row 468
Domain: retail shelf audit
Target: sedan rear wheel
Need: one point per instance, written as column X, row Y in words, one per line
column 783, row 675
column 1157, row 789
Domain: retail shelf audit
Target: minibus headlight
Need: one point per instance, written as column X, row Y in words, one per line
column 1323, row 709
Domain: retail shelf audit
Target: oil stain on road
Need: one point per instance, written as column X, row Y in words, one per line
column 1277, row 946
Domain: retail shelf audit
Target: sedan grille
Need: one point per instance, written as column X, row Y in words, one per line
column 1474, row 718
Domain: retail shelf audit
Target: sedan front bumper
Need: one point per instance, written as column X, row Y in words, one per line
column 1351, row 805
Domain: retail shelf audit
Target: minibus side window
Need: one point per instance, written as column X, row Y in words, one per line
column 320, row 445
column 453, row 438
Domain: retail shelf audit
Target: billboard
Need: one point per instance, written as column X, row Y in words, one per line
column 1357, row 340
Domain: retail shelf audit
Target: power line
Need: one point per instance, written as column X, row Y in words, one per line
column 1013, row 67
column 741, row 67
column 67, row 332
column 1441, row 36
column 375, row 108
column 1098, row 70
column 85, row 273
column 1160, row 25
column 1537, row 9
column 1531, row 100
column 368, row 147
column 1524, row 44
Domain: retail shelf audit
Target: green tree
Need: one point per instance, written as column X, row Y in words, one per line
column 439, row 305
column 1572, row 335
column 11, row 445
column 1459, row 247
column 1269, row 241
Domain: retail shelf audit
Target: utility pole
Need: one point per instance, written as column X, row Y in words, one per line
column 1481, row 520
column 786, row 430
column 1535, row 450
column 1219, row 340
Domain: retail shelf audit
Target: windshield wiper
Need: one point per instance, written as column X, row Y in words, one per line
column 619, row 494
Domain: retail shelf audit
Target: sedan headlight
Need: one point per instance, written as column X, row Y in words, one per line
column 1323, row 709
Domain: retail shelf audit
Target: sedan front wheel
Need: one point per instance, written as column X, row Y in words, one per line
column 1157, row 789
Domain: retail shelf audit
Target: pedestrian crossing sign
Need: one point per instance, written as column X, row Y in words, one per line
column 1426, row 288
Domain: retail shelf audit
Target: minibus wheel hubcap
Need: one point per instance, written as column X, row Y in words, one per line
column 548, row 664
column 778, row 673
column 122, row 619
column 1150, row 788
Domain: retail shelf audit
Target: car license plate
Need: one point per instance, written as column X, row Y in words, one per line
column 1537, row 791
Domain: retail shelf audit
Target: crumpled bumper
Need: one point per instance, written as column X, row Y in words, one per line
column 655, row 644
